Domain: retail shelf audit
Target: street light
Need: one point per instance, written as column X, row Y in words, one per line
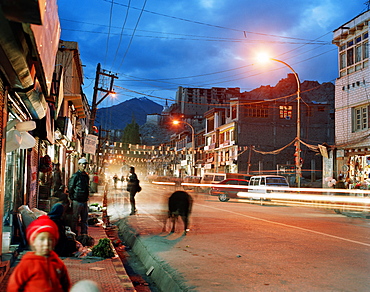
column 298, row 137
column 192, row 143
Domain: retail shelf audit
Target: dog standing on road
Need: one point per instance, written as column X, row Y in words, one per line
column 179, row 204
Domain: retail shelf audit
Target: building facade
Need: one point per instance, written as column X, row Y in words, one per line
column 257, row 132
column 43, row 110
column 351, row 157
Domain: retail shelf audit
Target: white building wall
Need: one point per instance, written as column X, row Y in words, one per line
column 352, row 89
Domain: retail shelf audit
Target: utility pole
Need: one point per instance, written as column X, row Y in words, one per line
column 101, row 142
column 95, row 103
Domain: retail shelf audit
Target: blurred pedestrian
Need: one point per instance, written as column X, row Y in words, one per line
column 56, row 178
column 133, row 187
column 115, row 179
column 94, row 183
column 78, row 188
column 40, row 269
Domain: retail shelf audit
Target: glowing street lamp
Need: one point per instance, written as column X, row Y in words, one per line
column 298, row 137
column 192, row 143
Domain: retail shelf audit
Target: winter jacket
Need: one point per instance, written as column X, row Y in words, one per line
column 78, row 186
column 133, row 184
column 39, row 274
column 65, row 247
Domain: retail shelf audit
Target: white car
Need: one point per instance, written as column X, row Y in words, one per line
column 261, row 184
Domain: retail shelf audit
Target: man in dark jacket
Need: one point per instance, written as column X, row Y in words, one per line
column 133, row 187
column 78, row 188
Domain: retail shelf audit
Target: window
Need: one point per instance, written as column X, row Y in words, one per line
column 222, row 138
column 342, row 60
column 233, row 112
column 210, row 125
column 350, row 57
column 285, row 112
column 353, row 54
column 360, row 118
column 365, row 50
column 358, row 54
column 257, row 111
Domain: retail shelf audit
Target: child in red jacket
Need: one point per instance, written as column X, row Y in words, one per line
column 41, row 269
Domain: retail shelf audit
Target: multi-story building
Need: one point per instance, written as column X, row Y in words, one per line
column 194, row 102
column 72, row 110
column 352, row 103
column 257, row 132
column 40, row 80
column 29, row 36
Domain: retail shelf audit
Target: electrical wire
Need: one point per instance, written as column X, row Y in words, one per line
column 121, row 34
column 109, row 27
column 132, row 36
column 244, row 32
column 205, row 38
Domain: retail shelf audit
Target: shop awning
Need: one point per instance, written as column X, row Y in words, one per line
column 21, row 74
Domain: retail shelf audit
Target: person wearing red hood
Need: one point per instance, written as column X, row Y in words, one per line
column 40, row 269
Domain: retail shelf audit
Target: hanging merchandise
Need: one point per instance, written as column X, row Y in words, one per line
column 13, row 140
column 45, row 164
column 19, row 137
column 28, row 141
column 25, row 126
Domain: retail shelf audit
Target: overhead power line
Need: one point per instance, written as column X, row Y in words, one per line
column 167, row 35
column 244, row 32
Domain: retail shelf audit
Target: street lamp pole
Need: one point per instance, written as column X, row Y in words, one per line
column 298, row 136
column 192, row 143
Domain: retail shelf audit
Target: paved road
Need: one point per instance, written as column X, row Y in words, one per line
column 239, row 246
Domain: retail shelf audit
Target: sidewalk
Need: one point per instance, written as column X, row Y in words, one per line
column 109, row 273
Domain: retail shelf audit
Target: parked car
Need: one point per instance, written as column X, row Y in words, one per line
column 229, row 192
column 258, row 186
column 214, row 178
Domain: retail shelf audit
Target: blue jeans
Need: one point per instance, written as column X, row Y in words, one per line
column 79, row 210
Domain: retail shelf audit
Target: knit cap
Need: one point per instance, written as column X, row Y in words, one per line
column 42, row 224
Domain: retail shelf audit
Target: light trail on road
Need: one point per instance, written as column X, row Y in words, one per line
column 287, row 225
column 340, row 199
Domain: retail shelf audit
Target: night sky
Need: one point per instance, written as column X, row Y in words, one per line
column 156, row 46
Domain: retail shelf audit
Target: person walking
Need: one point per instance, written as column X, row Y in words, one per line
column 133, row 187
column 78, row 188
column 115, row 179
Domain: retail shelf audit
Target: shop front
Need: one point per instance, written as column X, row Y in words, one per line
column 357, row 170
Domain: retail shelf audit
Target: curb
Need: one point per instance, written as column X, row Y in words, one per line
column 166, row 278
column 119, row 267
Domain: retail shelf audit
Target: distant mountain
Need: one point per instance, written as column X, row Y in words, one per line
column 118, row 116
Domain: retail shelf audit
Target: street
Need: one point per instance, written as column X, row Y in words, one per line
column 239, row 246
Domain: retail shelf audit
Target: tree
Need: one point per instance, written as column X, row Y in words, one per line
column 131, row 133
